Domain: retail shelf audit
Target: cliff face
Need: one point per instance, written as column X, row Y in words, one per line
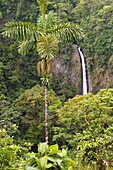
column 97, row 79
column 71, row 71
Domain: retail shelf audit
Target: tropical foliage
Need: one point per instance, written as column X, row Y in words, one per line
column 14, row 156
column 9, row 152
column 31, row 106
column 31, row 37
column 84, row 124
column 9, row 117
column 48, row 157
column 96, row 19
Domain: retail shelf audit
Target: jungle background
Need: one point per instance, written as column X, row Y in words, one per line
column 81, row 123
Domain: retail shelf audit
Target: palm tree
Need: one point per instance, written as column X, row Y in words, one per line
column 44, row 39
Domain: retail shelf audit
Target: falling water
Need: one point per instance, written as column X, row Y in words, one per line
column 84, row 79
column 84, row 75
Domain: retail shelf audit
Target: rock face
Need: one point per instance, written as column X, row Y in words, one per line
column 71, row 71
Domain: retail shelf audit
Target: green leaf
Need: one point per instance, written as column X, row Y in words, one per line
column 31, row 168
column 31, row 155
column 63, row 153
column 42, row 148
column 43, row 161
column 38, row 162
column 70, row 168
column 52, row 147
column 69, row 160
column 54, row 152
column 51, row 159
column 48, row 165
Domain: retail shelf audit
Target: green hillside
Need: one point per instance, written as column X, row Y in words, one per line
column 94, row 18
column 81, row 123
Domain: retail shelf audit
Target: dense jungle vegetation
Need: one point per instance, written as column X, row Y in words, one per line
column 80, row 127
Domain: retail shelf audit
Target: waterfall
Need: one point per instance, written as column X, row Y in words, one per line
column 84, row 71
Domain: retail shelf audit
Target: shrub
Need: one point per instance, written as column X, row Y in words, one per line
column 48, row 157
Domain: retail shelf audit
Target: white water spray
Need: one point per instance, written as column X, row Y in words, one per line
column 84, row 78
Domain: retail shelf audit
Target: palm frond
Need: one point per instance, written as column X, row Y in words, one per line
column 50, row 20
column 43, row 5
column 66, row 32
column 26, row 46
column 21, row 31
column 47, row 46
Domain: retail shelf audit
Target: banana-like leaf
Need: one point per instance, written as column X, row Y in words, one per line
column 42, row 148
column 52, row 152
column 30, row 155
column 53, row 149
column 32, row 168
column 63, row 153
column 48, row 165
column 70, row 168
column 43, row 161
column 51, row 159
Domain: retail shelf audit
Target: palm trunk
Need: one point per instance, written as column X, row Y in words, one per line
column 46, row 87
column 46, row 115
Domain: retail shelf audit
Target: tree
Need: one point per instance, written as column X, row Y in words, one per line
column 8, row 151
column 85, row 124
column 31, row 106
column 96, row 19
column 44, row 40
column 9, row 117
